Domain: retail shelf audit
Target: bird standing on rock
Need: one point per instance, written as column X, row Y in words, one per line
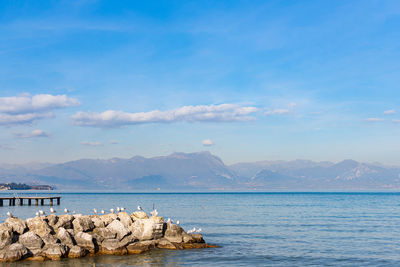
column 42, row 213
column 94, row 211
column 178, row 222
column 103, row 212
column 139, row 208
column 154, row 213
column 198, row 231
column 52, row 210
column 37, row 214
column 112, row 210
column 66, row 210
column 122, row 209
column 9, row 214
column 118, row 209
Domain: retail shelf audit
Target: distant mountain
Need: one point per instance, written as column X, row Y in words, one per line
column 203, row 171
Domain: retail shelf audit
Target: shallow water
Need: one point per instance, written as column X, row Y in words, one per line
column 256, row 229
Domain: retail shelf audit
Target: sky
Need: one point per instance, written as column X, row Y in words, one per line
column 245, row 80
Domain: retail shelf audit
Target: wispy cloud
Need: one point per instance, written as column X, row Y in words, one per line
column 208, row 142
column 26, row 108
column 389, row 112
column 87, row 143
column 201, row 113
column 277, row 111
column 33, row 134
column 374, row 119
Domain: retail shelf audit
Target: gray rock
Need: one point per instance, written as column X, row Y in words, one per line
column 13, row 252
column 50, row 239
column 97, row 221
column 106, row 233
column 83, row 224
column 108, row 218
column 165, row 244
column 119, row 229
column 140, row 247
column 6, row 235
column 64, row 221
column 113, row 246
column 52, row 219
column 148, row 229
column 77, row 252
column 85, row 240
column 174, row 233
column 39, row 226
column 65, row 237
column 55, row 251
column 31, row 241
column 16, row 224
column 125, row 218
column 139, row 215
column 198, row 238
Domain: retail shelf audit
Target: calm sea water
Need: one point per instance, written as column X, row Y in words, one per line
column 257, row 229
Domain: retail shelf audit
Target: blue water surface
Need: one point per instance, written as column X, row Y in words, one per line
column 254, row 229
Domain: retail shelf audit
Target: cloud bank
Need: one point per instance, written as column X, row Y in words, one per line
column 33, row 134
column 26, row 108
column 87, row 143
column 200, row 113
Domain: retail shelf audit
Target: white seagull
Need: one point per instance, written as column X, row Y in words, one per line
column 103, row 212
column 178, row 222
column 66, row 210
column 198, row 231
column 112, row 210
column 118, row 209
column 42, row 213
column 139, row 208
column 9, row 214
column 94, row 211
column 52, row 210
column 154, row 213
column 169, row 220
column 192, row 230
column 37, row 214
column 122, row 209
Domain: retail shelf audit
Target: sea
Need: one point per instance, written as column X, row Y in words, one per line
column 252, row 229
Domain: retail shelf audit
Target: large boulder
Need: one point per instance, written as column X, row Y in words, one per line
column 85, row 241
column 125, row 218
column 31, row 241
column 148, row 229
column 174, row 233
column 97, row 221
column 16, row 224
column 114, row 247
column 166, row 244
column 140, row 247
column 39, row 226
column 65, row 237
column 198, row 238
column 108, row 218
column 55, row 251
column 77, row 252
column 106, row 233
column 137, row 215
column 83, row 224
column 49, row 239
column 52, row 219
column 6, row 235
column 13, row 252
column 118, row 228
column 64, row 221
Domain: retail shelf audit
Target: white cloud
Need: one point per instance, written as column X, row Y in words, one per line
column 87, row 143
column 33, row 134
column 373, row 119
column 208, row 142
column 277, row 111
column 389, row 112
column 26, row 108
column 201, row 113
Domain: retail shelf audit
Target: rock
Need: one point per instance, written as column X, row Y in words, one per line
column 174, row 233
column 140, row 247
column 195, row 245
column 31, row 241
column 106, row 233
column 65, row 237
column 85, row 240
column 52, row 219
column 13, row 252
column 6, row 235
column 188, row 238
column 97, row 221
column 55, row 251
column 16, row 224
column 114, row 247
column 125, row 218
column 198, row 238
column 39, row 226
column 147, row 229
column 108, row 218
column 165, row 244
column 119, row 229
column 83, row 224
column 64, row 221
column 77, row 252
column 50, row 239
column 97, row 238
column 139, row 215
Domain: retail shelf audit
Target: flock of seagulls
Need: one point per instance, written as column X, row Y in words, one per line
column 119, row 209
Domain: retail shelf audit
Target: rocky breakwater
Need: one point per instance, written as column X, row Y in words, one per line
column 54, row 237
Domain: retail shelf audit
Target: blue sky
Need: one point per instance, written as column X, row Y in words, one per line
column 246, row 80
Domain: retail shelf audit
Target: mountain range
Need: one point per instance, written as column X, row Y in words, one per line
column 203, row 171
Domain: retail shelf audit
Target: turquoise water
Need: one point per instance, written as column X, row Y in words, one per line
column 257, row 229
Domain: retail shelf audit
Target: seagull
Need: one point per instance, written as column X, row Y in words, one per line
column 103, row 212
column 112, row 210
column 42, row 213
column 118, row 209
column 94, row 211
column 37, row 214
column 198, row 231
column 154, row 213
column 192, row 230
column 177, row 222
column 66, row 210
column 9, row 214
column 139, row 208
column 122, row 209
column 169, row 220
column 52, row 210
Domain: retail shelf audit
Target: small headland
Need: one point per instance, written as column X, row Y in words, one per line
column 54, row 237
